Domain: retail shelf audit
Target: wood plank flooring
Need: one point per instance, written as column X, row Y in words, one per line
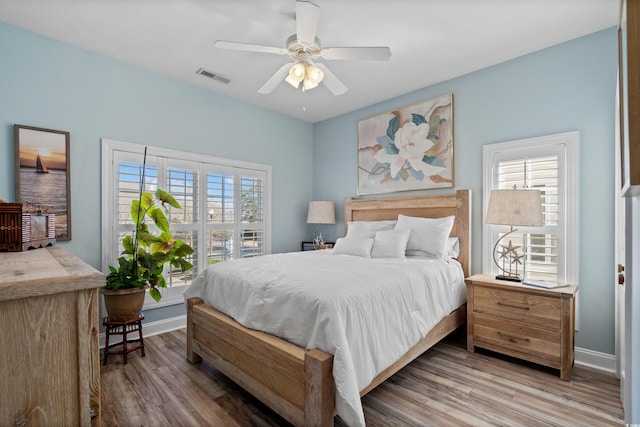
column 446, row 386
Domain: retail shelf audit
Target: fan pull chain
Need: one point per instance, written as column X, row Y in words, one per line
column 304, row 100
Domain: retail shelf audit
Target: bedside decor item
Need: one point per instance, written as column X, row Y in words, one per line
column 320, row 212
column 513, row 208
column 146, row 252
column 24, row 226
column 409, row 148
column 43, row 174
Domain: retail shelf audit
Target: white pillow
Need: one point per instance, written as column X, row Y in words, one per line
column 390, row 244
column 368, row 228
column 353, row 246
column 360, row 234
column 427, row 234
column 452, row 249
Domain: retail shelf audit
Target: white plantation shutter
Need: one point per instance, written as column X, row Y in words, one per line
column 224, row 205
column 548, row 164
column 540, row 245
column 129, row 175
column 182, row 184
column 220, row 216
column 252, row 215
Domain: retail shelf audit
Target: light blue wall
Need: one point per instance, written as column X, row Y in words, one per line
column 566, row 87
column 571, row 86
column 45, row 83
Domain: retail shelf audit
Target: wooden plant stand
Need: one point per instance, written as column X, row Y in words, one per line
column 123, row 328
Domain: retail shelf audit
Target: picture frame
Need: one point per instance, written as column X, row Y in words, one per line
column 407, row 148
column 42, row 172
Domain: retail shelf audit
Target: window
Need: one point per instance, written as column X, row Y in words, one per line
column 224, row 206
column 550, row 164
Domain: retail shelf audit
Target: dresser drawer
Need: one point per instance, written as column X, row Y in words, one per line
column 513, row 336
column 536, row 310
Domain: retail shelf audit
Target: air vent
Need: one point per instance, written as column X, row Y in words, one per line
column 213, row 76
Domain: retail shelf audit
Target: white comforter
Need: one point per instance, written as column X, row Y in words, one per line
column 366, row 312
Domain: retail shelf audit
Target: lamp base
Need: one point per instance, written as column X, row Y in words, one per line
column 509, row 278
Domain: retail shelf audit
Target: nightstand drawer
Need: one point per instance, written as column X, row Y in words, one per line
column 536, row 310
column 517, row 337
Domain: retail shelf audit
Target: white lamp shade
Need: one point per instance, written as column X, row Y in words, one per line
column 296, row 74
column 321, row 212
column 515, row 207
column 313, row 77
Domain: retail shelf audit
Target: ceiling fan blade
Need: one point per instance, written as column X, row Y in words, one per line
column 360, row 53
column 331, row 81
column 307, row 16
column 276, row 79
column 223, row 44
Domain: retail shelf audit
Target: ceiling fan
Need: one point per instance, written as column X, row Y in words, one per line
column 304, row 48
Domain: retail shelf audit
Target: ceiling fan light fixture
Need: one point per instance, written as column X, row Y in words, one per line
column 296, row 74
column 313, row 77
column 303, row 47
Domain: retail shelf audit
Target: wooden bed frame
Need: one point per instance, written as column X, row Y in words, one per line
column 297, row 383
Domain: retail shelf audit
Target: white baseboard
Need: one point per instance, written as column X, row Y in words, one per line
column 158, row 327
column 595, row 359
column 584, row 357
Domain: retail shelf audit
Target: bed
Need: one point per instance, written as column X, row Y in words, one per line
column 298, row 383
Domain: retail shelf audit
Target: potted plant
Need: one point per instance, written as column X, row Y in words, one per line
column 145, row 254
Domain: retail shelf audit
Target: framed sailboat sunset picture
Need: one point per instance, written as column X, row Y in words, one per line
column 42, row 172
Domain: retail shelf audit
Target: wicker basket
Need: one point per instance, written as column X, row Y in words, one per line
column 25, row 226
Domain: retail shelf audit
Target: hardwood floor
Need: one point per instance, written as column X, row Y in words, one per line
column 446, row 386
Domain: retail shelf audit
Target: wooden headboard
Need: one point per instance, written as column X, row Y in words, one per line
column 458, row 204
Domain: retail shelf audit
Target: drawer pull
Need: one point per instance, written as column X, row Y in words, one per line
column 512, row 338
column 513, row 306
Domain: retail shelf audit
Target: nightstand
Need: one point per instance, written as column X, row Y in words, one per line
column 527, row 322
column 308, row 246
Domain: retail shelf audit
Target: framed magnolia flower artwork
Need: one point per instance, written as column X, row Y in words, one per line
column 409, row 148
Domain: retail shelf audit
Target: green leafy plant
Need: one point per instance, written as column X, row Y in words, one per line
column 145, row 254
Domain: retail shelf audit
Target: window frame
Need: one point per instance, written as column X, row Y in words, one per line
column 177, row 158
column 567, row 144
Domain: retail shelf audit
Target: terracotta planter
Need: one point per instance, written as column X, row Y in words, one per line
column 123, row 304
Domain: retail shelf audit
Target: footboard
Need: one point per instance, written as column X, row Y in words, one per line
column 294, row 382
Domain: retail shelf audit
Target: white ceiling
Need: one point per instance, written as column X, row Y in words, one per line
column 430, row 40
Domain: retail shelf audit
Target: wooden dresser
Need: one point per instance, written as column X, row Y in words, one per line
column 49, row 354
column 527, row 322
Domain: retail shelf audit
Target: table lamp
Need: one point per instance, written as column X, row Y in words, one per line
column 513, row 208
column 320, row 212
